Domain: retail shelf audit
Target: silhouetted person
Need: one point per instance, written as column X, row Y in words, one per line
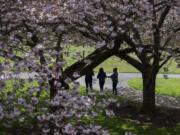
column 114, row 78
column 101, row 76
column 89, row 79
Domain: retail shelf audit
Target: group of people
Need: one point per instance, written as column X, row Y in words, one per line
column 102, row 78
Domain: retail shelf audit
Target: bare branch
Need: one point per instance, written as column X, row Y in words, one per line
column 123, row 54
column 165, row 61
column 136, row 32
column 177, row 30
column 163, row 16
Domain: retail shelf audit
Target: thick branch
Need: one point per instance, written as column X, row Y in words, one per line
column 177, row 29
column 58, row 47
column 95, row 58
column 124, row 55
column 165, row 61
column 136, row 32
column 163, row 16
column 34, row 37
column 130, row 42
column 170, row 38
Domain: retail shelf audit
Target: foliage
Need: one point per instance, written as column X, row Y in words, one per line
column 143, row 33
column 20, row 110
column 42, row 29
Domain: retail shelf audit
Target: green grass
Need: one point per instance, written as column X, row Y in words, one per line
column 118, row 126
column 22, row 88
column 170, row 87
column 112, row 62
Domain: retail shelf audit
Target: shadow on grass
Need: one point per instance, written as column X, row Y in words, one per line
column 119, row 124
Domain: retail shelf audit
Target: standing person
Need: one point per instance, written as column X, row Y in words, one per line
column 101, row 76
column 114, row 78
column 89, row 79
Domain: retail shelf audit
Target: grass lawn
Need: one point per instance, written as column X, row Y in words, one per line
column 110, row 63
column 118, row 126
column 115, row 125
column 170, row 87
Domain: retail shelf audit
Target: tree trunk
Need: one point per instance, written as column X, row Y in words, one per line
column 149, row 83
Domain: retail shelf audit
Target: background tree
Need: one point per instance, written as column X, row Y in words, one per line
column 148, row 28
column 31, row 33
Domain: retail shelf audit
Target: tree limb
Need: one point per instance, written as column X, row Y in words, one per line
column 163, row 16
column 95, row 58
column 124, row 55
column 165, row 61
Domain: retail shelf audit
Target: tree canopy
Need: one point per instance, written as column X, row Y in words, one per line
column 33, row 33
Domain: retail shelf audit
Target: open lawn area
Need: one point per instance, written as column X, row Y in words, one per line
column 112, row 62
column 118, row 126
column 170, row 87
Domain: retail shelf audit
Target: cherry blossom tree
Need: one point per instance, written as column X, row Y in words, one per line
column 31, row 33
column 145, row 33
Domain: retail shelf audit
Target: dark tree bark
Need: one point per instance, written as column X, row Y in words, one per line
column 149, row 73
column 149, row 84
column 52, row 88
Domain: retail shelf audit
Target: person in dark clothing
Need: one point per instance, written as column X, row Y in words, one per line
column 114, row 78
column 89, row 79
column 101, row 76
